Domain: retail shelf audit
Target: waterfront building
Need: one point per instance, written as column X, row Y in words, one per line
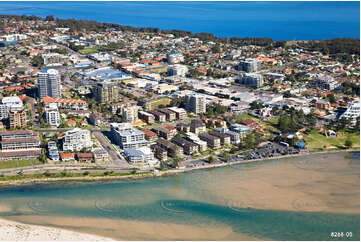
column 126, row 136
column 19, row 144
column 202, row 145
column 189, row 147
column 49, row 83
column 77, row 139
column 53, row 152
column 212, row 141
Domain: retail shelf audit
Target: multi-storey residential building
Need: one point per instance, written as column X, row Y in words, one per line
column 19, row 144
column 53, row 152
column 241, row 129
column 77, row 139
column 49, row 83
column 352, row 112
column 197, row 126
column 189, row 147
column 68, row 104
column 159, row 152
column 7, row 104
column 249, row 65
column 212, row 141
column 325, row 82
column 177, row 70
column 139, row 156
column 17, row 119
column 172, row 149
column 124, row 135
column 234, row 136
column 170, row 116
column 175, row 57
column 167, row 132
column 225, row 139
column 147, row 117
column 179, row 112
column 106, row 92
column 130, row 114
column 251, row 79
column 51, row 114
column 195, row 103
column 159, row 117
column 202, row 145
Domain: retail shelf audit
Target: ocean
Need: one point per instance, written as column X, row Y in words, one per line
column 301, row 198
column 276, row 20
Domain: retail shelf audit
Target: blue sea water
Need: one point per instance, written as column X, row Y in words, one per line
column 277, row 20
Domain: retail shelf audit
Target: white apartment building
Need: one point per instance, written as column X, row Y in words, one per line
column 52, row 115
column 77, row 139
column 49, row 83
column 124, row 135
column 130, row 114
column 7, row 104
column 352, row 112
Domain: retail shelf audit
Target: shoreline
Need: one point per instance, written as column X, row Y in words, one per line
column 16, row 231
column 155, row 174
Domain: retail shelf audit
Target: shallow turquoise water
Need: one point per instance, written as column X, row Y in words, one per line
column 189, row 199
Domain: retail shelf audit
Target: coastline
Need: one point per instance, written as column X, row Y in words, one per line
column 15, row 231
column 156, row 174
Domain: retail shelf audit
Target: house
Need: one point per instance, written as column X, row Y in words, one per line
column 71, row 123
column 84, row 123
column 67, row 156
column 85, row 157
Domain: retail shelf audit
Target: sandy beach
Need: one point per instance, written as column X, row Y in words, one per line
column 14, row 231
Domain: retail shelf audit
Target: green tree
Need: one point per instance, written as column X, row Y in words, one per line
column 348, row 143
column 211, row 159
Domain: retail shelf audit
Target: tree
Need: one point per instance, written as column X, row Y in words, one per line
column 331, row 98
column 49, row 18
column 211, row 159
column 348, row 144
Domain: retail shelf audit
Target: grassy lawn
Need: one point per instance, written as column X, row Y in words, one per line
column 163, row 101
column 89, row 50
column 317, row 140
column 269, row 125
column 6, row 164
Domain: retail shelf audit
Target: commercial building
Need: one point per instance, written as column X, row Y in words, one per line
column 49, row 83
column 77, row 139
column 19, row 144
column 106, row 92
column 195, row 103
column 51, row 114
column 124, row 135
column 251, row 79
column 249, row 65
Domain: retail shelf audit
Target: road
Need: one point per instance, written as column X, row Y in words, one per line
column 117, row 159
